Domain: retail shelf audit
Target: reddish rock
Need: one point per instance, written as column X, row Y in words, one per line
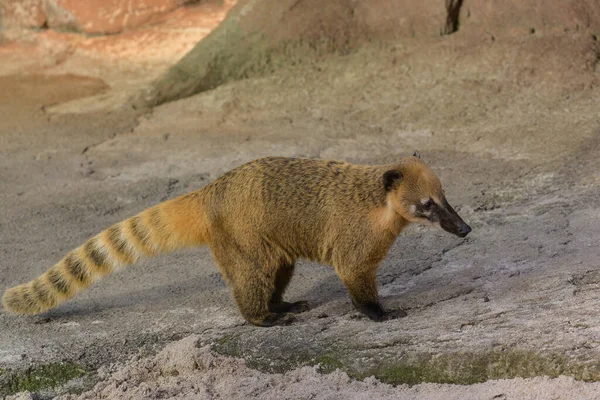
column 22, row 14
column 102, row 17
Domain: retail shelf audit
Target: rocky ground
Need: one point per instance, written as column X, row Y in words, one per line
column 511, row 126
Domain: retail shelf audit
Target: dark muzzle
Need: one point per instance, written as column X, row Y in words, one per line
column 451, row 222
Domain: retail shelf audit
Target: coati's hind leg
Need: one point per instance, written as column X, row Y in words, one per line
column 361, row 282
column 252, row 294
column 252, row 285
column 282, row 279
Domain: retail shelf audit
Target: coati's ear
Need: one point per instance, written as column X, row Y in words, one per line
column 391, row 179
column 417, row 154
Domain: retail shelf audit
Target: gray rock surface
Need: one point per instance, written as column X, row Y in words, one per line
column 515, row 143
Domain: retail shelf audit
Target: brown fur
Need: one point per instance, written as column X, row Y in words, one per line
column 258, row 220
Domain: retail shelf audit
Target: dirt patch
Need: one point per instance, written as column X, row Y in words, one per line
column 43, row 90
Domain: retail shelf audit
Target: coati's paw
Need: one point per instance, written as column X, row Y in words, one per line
column 285, row 307
column 275, row 319
column 378, row 314
column 299, row 307
column 392, row 314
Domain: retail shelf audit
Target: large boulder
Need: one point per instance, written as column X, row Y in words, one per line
column 259, row 35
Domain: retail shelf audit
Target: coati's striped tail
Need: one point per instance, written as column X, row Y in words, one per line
column 168, row 226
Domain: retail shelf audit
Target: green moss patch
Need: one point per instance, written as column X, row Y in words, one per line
column 458, row 368
column 470, row 368
column 38, row 378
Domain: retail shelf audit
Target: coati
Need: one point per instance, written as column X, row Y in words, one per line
column 258, row 220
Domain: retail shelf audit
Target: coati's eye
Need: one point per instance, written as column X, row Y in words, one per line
column 427, row 204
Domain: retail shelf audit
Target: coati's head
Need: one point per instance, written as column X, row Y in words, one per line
column 415, row 193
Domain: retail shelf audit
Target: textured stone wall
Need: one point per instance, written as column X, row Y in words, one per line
column 93, row 17
column 310, row 17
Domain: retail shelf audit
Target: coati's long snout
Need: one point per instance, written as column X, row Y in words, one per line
column 451, row 222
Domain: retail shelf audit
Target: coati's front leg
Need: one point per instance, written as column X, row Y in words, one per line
column 282, row 279
column 361, row 282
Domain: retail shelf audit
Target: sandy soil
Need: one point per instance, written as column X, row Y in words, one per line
column 512, row 128
column 184, row 371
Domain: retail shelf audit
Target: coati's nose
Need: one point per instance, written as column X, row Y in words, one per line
column 464, row 230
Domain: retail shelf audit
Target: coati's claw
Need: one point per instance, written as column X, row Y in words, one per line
column 378, row 314
column 286, row 319
column 299, row 307
column 294, row 308
column 393, row 314
column 276, row 319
